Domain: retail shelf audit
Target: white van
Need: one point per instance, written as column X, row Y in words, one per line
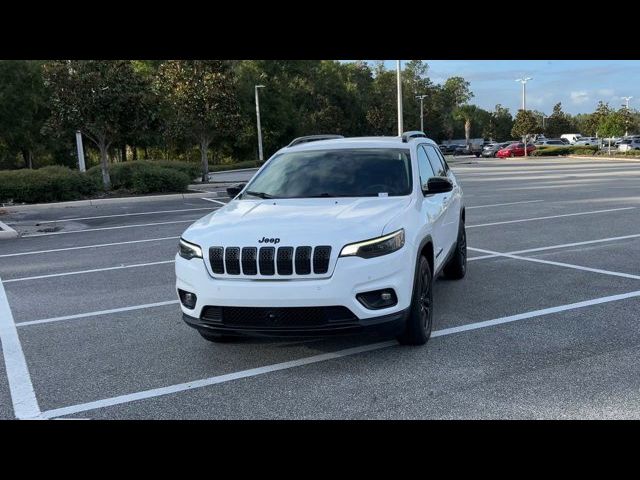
column 572, row 137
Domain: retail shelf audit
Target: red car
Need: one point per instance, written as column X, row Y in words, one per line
column 515, row 150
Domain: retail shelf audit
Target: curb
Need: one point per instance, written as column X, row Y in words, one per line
column 7, row 232
column 621, row 159
column 107, row 201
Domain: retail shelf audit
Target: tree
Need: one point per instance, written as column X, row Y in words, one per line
column 200, row 102
column 589, row 124
column 23, row 106
column 457, row 91
column 97, row 97
column 613, row 124
column 499, row 124
column 525, row 124
column 558, row 122
column 466, row 113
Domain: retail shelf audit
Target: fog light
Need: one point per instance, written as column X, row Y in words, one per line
column 378, row 299
column 188, row 299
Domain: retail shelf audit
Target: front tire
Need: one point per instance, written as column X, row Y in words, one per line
column 420, row 320
column 456, row 267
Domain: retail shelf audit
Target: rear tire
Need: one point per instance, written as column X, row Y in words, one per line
column 216, row 337
column 420, row 320
column 456, row 267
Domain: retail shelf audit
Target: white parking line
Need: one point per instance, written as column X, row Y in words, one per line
column 95, row 314
column 93, row 270
column 551, row 216
column 503, row 204
column 554, row 247
column 214, row 201
column 123, row 215
column 558, row 264
column 18, row 254
column 106, row 228
column 181, row 387
column 23, row 397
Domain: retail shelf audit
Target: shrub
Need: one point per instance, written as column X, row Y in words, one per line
column 233, row 166
column 147, row 176
column 568, row 150
column 158, row 179
column 192, row 170
column 47, row 184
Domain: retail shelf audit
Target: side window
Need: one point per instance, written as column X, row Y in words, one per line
column 444, row 162
column 436, row 163
column 426, row 172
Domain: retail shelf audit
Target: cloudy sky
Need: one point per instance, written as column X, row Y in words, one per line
column 578, row 84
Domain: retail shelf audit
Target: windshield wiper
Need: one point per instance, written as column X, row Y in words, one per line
column 258, row 194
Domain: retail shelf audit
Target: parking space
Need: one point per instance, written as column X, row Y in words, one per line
column 544, row 325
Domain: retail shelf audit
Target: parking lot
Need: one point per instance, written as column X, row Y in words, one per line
column 544, row 325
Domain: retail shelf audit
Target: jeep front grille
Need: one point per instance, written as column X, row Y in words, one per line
column 267, row 261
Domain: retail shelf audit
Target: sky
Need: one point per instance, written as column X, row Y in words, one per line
column 578, row 84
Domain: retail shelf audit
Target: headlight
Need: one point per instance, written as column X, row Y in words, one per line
column 189, row 250
column 376, row 246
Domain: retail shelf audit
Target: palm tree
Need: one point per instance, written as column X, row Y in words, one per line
column 467, row 114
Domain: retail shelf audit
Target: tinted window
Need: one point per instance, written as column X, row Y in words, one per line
column 334, row 173
column 436, row 163
column 426, row 172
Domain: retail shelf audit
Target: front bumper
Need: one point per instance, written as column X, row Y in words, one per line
column 391, row 324
column 351, row 276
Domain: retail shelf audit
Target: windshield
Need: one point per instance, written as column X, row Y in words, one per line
column 362, row 172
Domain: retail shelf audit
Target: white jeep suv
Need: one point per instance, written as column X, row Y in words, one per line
column 331, row 235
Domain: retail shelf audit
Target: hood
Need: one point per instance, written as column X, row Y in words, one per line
column 332, row 222
column 296, row 221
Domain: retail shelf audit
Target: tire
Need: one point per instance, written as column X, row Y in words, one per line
column 216, row 337
column 456, row 267
column 420, row 320
column 477, row 155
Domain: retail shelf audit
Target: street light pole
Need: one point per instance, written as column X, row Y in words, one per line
column 421, row 97
column 399, row 74
column 626, row 99
column 260, row 155
column 524, row 81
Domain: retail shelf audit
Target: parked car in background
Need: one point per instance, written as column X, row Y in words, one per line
column 449, row 149
column 571, row 137
column 565, row 141
column 550, row 142
column 490, row 150
column 515, row 150
column 629, row 144
column 591, row 141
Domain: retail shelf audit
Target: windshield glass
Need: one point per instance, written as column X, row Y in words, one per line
column 362, row 172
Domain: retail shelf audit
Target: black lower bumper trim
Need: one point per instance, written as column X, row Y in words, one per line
column 391, row 324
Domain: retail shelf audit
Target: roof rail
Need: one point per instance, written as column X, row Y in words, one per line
column 406, row 136
column 312, row 138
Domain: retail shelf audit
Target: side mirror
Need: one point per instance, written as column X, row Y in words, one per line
column 234, row 190
column 437, row 185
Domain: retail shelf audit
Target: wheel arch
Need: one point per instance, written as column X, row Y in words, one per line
column 425, row 249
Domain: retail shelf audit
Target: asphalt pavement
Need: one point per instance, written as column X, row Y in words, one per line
column 544, row 325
